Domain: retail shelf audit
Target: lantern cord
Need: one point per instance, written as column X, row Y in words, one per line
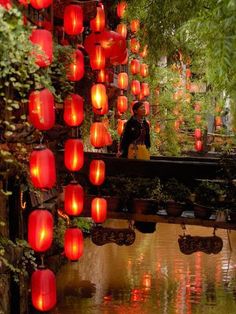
column 64, row 216
column 229, row 241
column 22, row 204
column 42, row 261
column 41, row 139
column 183, row 228
column 214, row 231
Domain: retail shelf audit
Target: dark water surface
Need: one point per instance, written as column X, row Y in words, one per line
column 151, row 276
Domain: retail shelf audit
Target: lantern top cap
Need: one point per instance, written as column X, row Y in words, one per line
column 40, row 147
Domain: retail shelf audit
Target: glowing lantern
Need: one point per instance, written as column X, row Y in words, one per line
column 98, row 96
column 218, row 121
column 43, row 289
column 75, row 70
column 41, row 109
column 103, row 110
column 134, row 25
column 197, row 134
column 42, row 168
column 145, row 89
column 97, row 171
column 98, row 23
column 73, row 110
column 136, row 295
column 108, row 139
column 144, row 52
column 122, row 104
column 144, row 70
column 40, row 230
column 121, row 7
column 6, row 4
column 122, row 30
column 97, row 58
column 99, row 209
column 147, row 281
column 97, row 134
column 73, row 19
column 42, row 39
column 135, row 87
column 74, row 154
column 134, row 66
column 120, row 126
column 74, row 199
column 101, row 76
column 198, row 146
column 123, row 80
column 147, row 107
column 134, row 45
column 188, row 73
column 73, row 244
column 40, row 4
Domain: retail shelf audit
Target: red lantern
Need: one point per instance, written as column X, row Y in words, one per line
column 144, row 52
column 197, row 134
column 122, row 104
column 75, row 70
column 145, row 89
column 97, row 58
column 99, row 210
column 134, row 25
column 98, row 23
column 43, row 289
column 198, row 146
column 101, row 77
column 73, row 244
column 73, row 19
column 134, row 45
column 97, row 171
column 41, row 109
column 121, row 7
column 40, row 230
column 6, row 4
column 108, row 139
column 40, row 4
column 74, row 154
column 42, row 168
column 188, row 73
column 101, row 111
column 74, row 199
column 98, row 96
column 120, row 126
column 97, row 134
column 134, row 66
column 144, row 70
column 123, row 80
column 147, row 107
column 135, row 87
column 73, row 110
column 42, row 39
column 122, row 30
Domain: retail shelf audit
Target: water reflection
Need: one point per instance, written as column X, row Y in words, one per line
column 151, row 276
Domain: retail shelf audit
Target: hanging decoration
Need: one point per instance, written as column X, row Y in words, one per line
column 97, row 58
column 122, row 104
column 74, row 154
column 98, row 23
column 40, row 4
column 73, row 19
column 97, row 134
column 99, row 209
column 120, row 126
column 97, row 171
column 73, row 110
column 120, row 9
column 98, row 96
column 42, row 39
column 75, row 70
column 123, row 80
column 73, row 243
column 74, row 199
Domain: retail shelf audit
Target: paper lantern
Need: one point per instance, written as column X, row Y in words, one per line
column 98, row 96
column 42, row 39
column 40, row 4
column 122, row 104
column 74, row 154
column 103, row 110
column 188, row 73
column 134, row 66
column 73, row 19
column 74, row 199
column 134, row 45
column 198, row 145
column 122, row 30
column 97, row 58
column 6, row 4
column 101, row 76
column 40, row 230
column 134, row 25
column 108, row 139
column 98, row 23
column 144, row 52
column 123, row 80
column 41, row 109
column 144, row 70
column 145, row 89
column 97, row 170
column 73, row 244
column 75, row 70
column 73, row 110
column 120, row 9
column 197, row 134
column 97, row 134
column 42, row 168
column 120, row 126
column 43, row 289
column 147, row 107
column 135, row 87
column 99, row 209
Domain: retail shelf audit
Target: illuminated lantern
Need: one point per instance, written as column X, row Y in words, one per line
column 42, row 168
column 108, row 139
column 73, row 19
column 197, row 134
column 134, row 45
column 145, row 89
column 198, row 145
column 98, row 96
column 123, row 80
column 73, row 244
column 147, row 281
column 188, row 73
column 218, row 121
column 103, row 110
column 40, row 230
column 97, row 170
column 98, row 23
column 122, row 30
column 42, row 39
column 134, row 66
column 134, row 25
column 43, row 289
column 74, row 199
column 6, row 4
column 97, row 134
column 120, row 126
column 99, row 209
column 74, row 154
column 144, row 52
column 121, row 7
column 147, row 107
column 75, row 70
column 135, row 87
column 97, row 58
column 122, row 104
column 101, row 76
column 136, row 295
column 40, row 4
column 73, row 110
column 109, row 76
column 41, row 109
column 198, row 118
column 144, row 70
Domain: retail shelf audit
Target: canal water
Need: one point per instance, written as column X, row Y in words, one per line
column 150, row 277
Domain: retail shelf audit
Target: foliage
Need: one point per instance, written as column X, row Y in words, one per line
column 208, row 192
column 176, row 190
